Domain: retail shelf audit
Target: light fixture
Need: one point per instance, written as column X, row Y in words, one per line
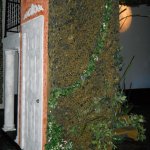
column 125, row 17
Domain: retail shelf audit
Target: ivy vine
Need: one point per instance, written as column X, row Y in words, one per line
column 55, row 139
column 54, row 131
column 58, row 92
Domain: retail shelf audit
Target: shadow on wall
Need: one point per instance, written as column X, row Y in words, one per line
column 135, row 42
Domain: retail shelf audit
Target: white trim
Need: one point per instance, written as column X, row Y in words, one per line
column 22, row 125
column 42, row 18
column 33, row 10
column 7, row 129
column 18, row 120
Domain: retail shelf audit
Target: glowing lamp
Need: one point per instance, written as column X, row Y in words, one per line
column 125, row 17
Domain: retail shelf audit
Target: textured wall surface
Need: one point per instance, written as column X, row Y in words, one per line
column 1, row 55
column 73, row 29
column 25, row 5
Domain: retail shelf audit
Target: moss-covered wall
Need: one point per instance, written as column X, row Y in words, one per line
column 1, row 55
column 74, row 27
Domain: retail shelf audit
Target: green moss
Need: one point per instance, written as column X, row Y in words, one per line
column 84, row 99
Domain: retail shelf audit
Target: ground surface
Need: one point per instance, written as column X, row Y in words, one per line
column 6, row 143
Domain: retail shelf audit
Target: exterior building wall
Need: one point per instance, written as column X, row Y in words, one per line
column 25, row 6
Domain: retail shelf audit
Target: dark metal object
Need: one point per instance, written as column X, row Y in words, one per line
column 37, row 100
column 12, row 16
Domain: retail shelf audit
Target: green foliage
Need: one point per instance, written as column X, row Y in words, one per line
column 54, row 136
column 103, row 130
column 54, row 131
column 102, row 135
column 102, row 127
column 135, row 121
column 58, row 92
column 118, row 59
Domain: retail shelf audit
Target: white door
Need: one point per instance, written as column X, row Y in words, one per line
column 32, row 94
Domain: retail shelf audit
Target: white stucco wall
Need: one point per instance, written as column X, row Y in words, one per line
column 136, row 42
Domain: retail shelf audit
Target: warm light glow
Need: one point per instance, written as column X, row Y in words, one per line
column 125, row 17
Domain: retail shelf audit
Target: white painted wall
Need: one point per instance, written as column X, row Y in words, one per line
column 136, row 42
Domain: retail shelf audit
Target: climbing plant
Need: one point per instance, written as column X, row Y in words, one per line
column 85, row 104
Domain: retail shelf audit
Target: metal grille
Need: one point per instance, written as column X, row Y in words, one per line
column 12, row 16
